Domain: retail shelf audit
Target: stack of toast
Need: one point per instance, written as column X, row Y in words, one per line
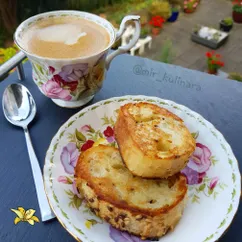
column 138, row 188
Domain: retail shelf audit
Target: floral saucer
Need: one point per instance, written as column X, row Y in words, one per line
column 212, row 173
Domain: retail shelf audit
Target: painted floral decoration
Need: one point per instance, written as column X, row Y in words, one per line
column 25, row 216
column 72, row 82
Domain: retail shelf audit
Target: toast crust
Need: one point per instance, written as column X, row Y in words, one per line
column 117, row 196
column 153, row 142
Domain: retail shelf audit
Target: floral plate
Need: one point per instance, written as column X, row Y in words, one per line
column 212, row 175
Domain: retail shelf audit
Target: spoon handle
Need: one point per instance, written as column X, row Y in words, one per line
column 45, row 210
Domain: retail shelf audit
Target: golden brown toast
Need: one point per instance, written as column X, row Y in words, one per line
column 153, row 142
column 144, row 207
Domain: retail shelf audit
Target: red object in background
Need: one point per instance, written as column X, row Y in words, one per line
column 157, row 21
column 213, row 72
column 214, row 63
column 209, row 55
column 189, row 10
column 237, row 17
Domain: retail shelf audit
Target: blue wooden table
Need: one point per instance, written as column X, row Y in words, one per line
column 218, row 100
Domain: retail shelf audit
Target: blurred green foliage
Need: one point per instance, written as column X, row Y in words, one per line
column 7, row 53
column 235, row 76
column 167, row 52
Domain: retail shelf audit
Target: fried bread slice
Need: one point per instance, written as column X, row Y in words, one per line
column 144, row 207
column 153, row 142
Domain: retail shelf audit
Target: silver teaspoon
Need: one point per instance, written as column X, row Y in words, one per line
column 19, row 109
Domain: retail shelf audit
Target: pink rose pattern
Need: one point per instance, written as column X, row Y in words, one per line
column 62, row 179
column 61, row 84
column 53, row 89
column 213, row 183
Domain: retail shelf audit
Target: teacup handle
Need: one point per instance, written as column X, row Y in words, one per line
column 133, row 41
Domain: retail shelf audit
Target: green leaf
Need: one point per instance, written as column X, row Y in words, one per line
column 112, row 144
column 86, row 210
column 40, row 69
column 208, row 238
column 39, row 83
column 230, row 208
column 62, row 133
column 100, row 134
column 51, row 160
column 222, row 185
column 77, row 201
column 210, row 191
column 202, row 187
column 233, row 193
column 151, row 100
column 222, row 224
column 70, row 204
column 55, row 197
column 64, row 214
column 92, row 221
column 55, row 147
column 195, row 135
column 121, row 100
column 72, row 138
column 137, row 100
column 176, row 107
column 81, row 114
column 105, row 120
column 69, row 193
column 215, row 195
column 223, row 146
column 80, row 136
column 214, row 161
column 70, row 123
column 91, row 129
column 36, row 71
column 69, row 181
column 230, row 162
column 214, row 134
column 112, row 121
column 107, row 102
column 195, row 199
column 233, row 177
column 93, row 108
column 78, row 230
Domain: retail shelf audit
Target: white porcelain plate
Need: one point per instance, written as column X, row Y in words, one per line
column 212, row 174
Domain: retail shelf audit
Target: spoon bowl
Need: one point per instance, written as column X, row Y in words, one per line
column 18, row 105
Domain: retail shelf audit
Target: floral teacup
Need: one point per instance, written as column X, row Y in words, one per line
column 73, row 82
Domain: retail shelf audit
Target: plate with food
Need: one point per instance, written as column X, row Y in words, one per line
column 138, row 168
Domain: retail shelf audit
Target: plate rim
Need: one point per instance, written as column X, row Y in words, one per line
column 154, row 99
